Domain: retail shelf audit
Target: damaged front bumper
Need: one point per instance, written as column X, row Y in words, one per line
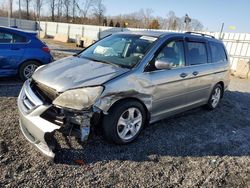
column 38, row 119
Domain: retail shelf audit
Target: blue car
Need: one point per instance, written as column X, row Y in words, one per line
column 21, row 52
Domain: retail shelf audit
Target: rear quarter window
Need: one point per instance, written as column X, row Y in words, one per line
column 19, row 39
column 218, row 52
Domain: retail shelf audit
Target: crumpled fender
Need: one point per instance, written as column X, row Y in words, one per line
column 128, row 87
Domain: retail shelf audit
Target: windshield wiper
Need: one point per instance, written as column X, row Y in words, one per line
column 103, row 61
column 117, row 65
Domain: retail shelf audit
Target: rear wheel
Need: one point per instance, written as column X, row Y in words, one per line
column 27, row 69
column 124, row 122
column 215, row 97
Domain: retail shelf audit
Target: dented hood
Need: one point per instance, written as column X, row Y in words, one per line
column 75, row 72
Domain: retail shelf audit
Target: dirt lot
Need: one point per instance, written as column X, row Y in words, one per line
column 196, row 148
column 60, row 49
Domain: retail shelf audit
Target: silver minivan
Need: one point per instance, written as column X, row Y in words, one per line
column 121, row 83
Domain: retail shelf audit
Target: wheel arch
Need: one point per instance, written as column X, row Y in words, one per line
column 27, row 60
column 131, row 99
column 22, row 66
column 222, row 85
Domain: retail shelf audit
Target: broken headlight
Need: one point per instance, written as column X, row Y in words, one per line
column 78, row 99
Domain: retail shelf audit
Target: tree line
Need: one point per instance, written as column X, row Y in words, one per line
column 93, row 12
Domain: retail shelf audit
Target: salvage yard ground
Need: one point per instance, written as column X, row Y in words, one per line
column 193, row 149
column 61, row 48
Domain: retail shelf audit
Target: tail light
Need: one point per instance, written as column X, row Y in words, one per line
column 46, row 49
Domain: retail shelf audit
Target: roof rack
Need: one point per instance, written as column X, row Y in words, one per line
column 204, row 35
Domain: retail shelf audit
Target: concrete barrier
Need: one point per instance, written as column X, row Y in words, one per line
column 42, row 35
column 242, row 69
column 21, row 24
column 61, row 37
column 87, row 41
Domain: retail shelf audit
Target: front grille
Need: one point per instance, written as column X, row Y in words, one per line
column 28, row 98
column 28, row 103
column 45, row 93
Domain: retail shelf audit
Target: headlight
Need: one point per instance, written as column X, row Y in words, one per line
column 78, row 99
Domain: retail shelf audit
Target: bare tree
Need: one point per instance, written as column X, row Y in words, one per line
column 66, row 4
column 11, row 8
column 138, row 19
column 147, row 17
column 171, row 22
column 37, row 8
column 99, row 10
column 154, row 24
column 86, row 6
column 93, row 11
column 3, row 8
column 196, row 25
column 27, row 8
column 74, row 4
column 143, row 16
column 59, row 9
column 52, row 5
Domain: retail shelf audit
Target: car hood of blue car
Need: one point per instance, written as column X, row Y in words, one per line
column 75, row 72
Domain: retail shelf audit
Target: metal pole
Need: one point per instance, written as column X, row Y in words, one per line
column 38, row 12
column 19, row 12
column 221, row 30
column 19, row 9
column 187, row 20
column 9, row 14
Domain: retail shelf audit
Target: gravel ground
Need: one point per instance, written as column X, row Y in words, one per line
column 194, row 149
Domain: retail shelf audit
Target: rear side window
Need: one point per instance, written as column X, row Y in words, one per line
column 5, row 38
column 11, row 38
column 19, row 39
column 196, row 53
column 218, row 52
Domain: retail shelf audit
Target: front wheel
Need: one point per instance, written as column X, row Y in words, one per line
column 124, row 122
column 215, row 97
column 27, row 69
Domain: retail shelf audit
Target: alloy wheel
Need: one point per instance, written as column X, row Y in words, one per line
column 129, row 123
column 29, row 70
column 216, row 97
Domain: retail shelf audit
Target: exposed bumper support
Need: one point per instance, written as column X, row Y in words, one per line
column 34, row 127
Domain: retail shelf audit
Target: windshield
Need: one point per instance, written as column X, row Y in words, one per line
column 124, row 50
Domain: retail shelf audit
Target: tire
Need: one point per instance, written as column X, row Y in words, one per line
column 118, row 116
column 27, row 69
column 215, row 97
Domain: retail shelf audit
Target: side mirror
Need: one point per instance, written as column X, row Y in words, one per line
column 163, row 64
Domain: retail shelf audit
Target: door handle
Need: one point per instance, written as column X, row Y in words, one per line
column 195, row 73
column 183, row 75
